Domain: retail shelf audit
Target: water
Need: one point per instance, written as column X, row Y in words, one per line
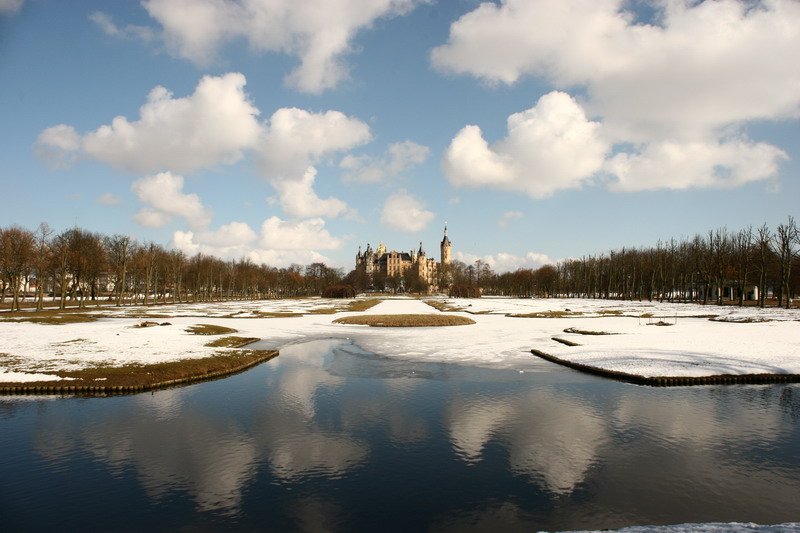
column 328, row 437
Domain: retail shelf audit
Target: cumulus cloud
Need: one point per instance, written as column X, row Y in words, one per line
column 549, row 147
column 130, row 31
column 697, row 71
column 398, row 158
column 218, row 124
column 298, row 199
column 678, row 165
column 279, row 242
column 297, row 235
column 164, row 196
column 318, row 32
column 404, row 212
column 212, row 126
column 505, row 262
column 508, row 216
column 295, row 140
column 10, row 7
column 58, row 146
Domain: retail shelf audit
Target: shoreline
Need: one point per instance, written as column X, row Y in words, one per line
column 174, row 374
column 672, row 381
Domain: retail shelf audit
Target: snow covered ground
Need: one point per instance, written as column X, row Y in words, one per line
column 714, row 527
column 768, row 343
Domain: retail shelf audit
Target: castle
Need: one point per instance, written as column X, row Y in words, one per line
column 397, row 264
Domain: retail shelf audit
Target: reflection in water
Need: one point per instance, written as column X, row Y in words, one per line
column 557, row 440
column 551, row 438
column 328, row 437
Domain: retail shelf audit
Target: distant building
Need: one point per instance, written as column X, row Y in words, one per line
column 397, row 264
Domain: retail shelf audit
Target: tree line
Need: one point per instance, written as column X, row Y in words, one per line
column 77, row 266
column 717, row 266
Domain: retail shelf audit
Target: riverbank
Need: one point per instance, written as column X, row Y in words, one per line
column 139, row 378
column 644, row 339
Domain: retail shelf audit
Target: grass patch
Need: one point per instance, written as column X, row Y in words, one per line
column 406, row 321
column 323, row 311
column 588, row 332
column 565, row 342
column 443, row 306
column 610, row 312
column 231, row 342
column 272, row 314
column 209, row 329
column 362, row 305
column 53, row 319
column 130, row 378
column 546, row 314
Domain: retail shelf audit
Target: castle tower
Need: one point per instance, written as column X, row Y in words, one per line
column 446, row 248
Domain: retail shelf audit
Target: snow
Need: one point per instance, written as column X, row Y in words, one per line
column 713, row 527
column 769, row 342
column 22, row 377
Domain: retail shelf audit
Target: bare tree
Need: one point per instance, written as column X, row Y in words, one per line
column 785, row 241
column 41, row 261
column 118, row 248
column 17, row 247
column 743, row 251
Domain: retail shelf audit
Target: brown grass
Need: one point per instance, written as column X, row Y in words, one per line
column 323, row 311
column 546, row 314
column 363, row 305
column 136, row 377
column 406, row 321
column 232, row 342
column 51, row 318
column 588, row 332
column 443, row 306
column 270, row 314
column 209, row 329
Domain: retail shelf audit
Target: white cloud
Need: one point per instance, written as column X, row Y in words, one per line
column 318, row 32
column 164, row 195
column 130, row 31
column 58, row 146
column 109, row 199
column 279, row 243
column 508, row 216
column 398, row 158
column 297, row 235
column 10, row 7
column 505, row 262
column 698, row 72
column 675, row 165
column 404, row 212
column 210, row 127
column 294, row 140
column 298, row 199
column 549, row 147
column 151, row 218
column 706, row 64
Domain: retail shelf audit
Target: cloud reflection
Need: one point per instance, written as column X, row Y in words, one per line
column 553, row 438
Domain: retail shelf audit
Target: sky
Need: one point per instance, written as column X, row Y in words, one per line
column 295, row 131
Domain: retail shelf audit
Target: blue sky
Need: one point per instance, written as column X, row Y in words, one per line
column 294, row 131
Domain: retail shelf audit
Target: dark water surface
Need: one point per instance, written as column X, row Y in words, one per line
column 328, row 437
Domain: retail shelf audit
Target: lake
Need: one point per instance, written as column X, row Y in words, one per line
column 329, row 437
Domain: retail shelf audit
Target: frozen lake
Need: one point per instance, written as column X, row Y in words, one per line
column 330, row 437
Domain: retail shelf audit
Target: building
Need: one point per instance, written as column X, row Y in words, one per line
column 384, row 264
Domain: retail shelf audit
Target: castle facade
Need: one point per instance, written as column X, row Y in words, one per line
column 398, row 264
